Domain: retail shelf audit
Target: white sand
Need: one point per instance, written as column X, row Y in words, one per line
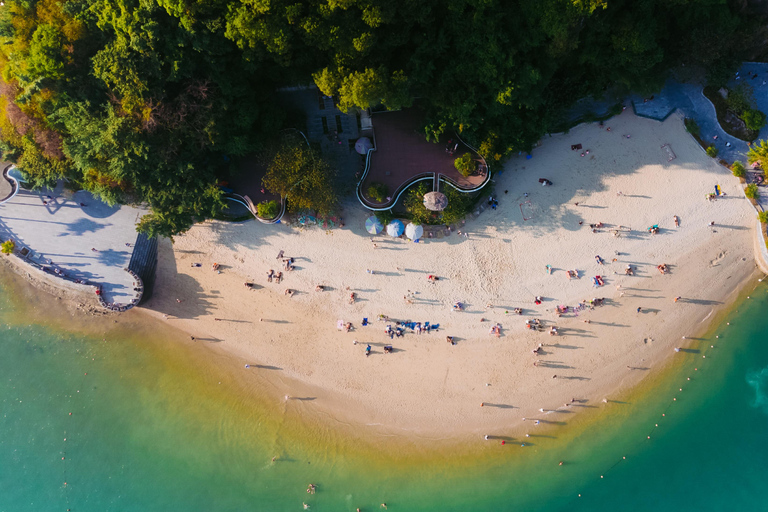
column 431, row 388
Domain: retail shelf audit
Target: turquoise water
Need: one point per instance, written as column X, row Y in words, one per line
column 153, row 429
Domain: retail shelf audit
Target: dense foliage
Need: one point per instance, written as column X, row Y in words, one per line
column 758, row 153
column 459, row 205
column 147, row 100
column 268, row 209
column 465, row 165
column 378, row 192
column 297, row 172
column 738, row 169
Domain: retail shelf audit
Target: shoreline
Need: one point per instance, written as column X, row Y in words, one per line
column 432, row 391
column 303, row 425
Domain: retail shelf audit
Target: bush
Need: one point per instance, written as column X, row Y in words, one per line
column 740, row 99
column 763, row 217
column 385, row 217
column 267, row 209
column 738, row 169
column 378, row 192
column 465, row 165
column 712, row 151
column 414, row 204
column 754, row 119
column 8, row 247
column 691, row 127
column 459, row 205
column 751, row 191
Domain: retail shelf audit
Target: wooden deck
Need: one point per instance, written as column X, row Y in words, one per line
column 403, row 155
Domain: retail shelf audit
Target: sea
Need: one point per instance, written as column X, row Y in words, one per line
column 98, row 415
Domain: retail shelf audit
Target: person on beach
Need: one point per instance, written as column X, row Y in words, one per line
column 677, row 221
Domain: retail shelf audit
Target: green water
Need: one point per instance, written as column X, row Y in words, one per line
column 153, row 429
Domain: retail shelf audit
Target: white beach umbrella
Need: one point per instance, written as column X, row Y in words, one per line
column 395, row 228
column 414, row 231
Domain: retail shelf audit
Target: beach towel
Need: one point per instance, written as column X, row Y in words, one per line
column 365, row 321
column 718, row 190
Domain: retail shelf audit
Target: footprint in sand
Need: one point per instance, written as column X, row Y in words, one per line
column 717, row 260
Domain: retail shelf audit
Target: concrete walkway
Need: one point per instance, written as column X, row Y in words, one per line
column 689, row 98
column 61, row 233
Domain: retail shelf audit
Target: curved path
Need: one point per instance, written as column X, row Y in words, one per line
column 8, row 185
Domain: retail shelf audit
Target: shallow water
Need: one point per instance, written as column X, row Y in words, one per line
column 155, row 426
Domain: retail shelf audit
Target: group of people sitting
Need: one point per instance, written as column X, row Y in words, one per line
column 572, row 274
column 397, row 331
column 271, row 275
column 496, row 330
column 629, row 271
column 663, row 268
column 533, row 323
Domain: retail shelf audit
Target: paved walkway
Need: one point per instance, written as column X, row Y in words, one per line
column 64, row 233
column 690, row 99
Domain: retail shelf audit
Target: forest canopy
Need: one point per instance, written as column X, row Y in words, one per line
column 149, row 100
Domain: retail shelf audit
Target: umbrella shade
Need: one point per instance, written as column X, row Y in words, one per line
column 435, row 201
column 363, row 144
column 414, row 231
column 395, row 228
column 373, row 225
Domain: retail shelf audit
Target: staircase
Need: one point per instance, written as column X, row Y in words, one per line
column 144, row 262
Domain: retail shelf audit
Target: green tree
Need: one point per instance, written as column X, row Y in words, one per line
column 712, row 151
column 414, row 204
column 465, row 164
column 295, row 171
column 753, row 119
column 751, row 191
column 45, row 53
column 763, row 217
column 758, row 153
column 738, row 169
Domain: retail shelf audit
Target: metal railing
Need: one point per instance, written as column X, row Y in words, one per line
column 419, row 177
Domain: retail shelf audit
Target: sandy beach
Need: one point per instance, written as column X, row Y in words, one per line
column 483, row 384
